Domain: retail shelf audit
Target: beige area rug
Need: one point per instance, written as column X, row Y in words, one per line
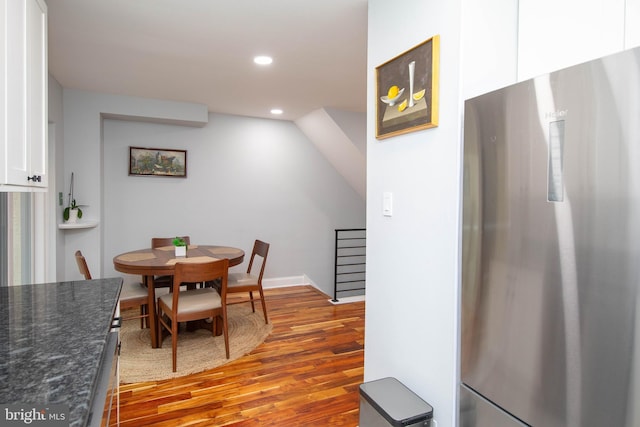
column 197, row 350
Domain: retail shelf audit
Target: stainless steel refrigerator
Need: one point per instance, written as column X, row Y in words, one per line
column 550, row 318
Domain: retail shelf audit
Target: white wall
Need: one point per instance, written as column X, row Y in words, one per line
column 556, row 34
column 489, row 46
column 55, row 257
column 631, row 27
column 82, row 155
column 336, row 145
column 246, row 179
column 353, row 125
column 412, row 257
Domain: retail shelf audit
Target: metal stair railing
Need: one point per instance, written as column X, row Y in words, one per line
column 350, row 262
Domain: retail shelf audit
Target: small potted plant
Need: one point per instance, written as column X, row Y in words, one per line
column 72, row 213
column 180, row 247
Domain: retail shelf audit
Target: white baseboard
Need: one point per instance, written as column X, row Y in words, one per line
column 346, row 300
column 282, row 282
column 304, row 280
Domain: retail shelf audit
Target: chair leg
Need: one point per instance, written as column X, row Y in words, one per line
column 253, row 304
column 225, row 329
column 146, row 318
column 142, row 317
column 158, row 325
column 264, row 306
column 174, row 344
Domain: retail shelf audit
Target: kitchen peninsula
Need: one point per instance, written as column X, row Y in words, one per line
column 53, row 345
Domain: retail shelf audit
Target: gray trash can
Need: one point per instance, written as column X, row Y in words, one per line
column 387, row 402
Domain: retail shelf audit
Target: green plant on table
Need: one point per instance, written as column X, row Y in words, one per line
column 179, row 241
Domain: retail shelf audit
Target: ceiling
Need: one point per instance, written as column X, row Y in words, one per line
column 202, row 51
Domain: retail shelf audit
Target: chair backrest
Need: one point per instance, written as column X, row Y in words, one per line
column 198, row 272
column 158, row 242
column 260, row 249
column 82, row 265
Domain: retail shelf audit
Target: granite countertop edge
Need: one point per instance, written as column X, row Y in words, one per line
column 53, row 339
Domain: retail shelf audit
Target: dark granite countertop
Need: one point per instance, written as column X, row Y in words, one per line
column 52, row 337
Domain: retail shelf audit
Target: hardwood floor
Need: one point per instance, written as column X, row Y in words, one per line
column 306, row 373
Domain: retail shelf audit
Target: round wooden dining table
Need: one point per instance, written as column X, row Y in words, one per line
column 161, row 262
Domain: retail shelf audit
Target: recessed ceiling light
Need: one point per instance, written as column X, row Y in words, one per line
column 276, row 111
column 263, row 60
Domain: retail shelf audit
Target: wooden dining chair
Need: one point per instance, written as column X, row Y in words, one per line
column 251, row 281
column 132, row 295
column 82, row 265
column 196, row 304
column 159, row 242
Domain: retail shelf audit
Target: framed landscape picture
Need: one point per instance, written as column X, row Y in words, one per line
column 407, row 90
column 157, row 162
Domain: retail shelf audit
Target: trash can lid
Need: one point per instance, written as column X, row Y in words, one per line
column 395, row 402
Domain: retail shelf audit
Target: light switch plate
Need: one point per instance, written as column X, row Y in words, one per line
column 387, row 204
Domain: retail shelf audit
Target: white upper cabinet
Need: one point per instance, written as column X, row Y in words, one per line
column 23, row 92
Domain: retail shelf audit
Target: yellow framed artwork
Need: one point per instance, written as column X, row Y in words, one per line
column 407, row 90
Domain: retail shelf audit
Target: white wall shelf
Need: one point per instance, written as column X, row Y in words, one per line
column 79, row 224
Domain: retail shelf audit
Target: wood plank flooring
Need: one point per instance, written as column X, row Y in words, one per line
column 306, row 373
